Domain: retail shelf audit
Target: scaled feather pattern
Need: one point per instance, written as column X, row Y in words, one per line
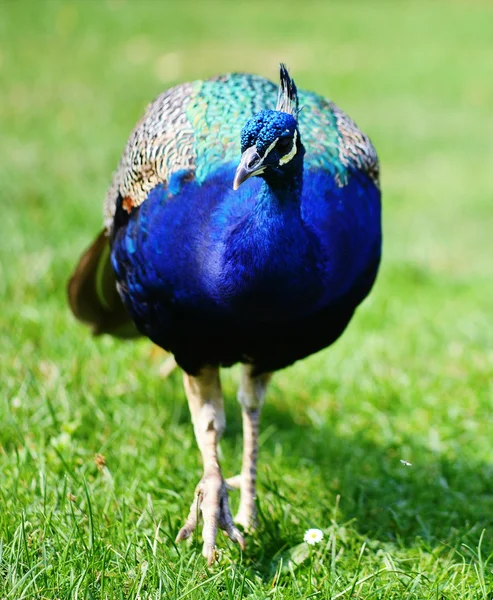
column 196, row 127
column 242, row 225
column 218, row 276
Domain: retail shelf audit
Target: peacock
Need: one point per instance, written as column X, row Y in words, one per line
column 242, row 225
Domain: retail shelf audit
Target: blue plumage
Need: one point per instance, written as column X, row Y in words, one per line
column 240, row 231
column 257, row 275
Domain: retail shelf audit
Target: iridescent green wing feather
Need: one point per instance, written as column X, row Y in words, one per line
column 195, row 127
column 192, row 127
column 219, row 110
column 333, row 141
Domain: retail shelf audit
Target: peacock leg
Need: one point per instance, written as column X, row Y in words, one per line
column 251, row 396
column 211, row 496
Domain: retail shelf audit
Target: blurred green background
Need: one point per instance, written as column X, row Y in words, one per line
column 411, row 379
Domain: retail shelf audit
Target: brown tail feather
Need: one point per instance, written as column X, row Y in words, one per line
column 92, row 293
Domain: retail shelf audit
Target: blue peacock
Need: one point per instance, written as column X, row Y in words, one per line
column 242, row 226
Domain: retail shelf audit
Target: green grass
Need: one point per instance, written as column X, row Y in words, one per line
column 411, row 378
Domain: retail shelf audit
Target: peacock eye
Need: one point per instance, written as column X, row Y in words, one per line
column 284, row 144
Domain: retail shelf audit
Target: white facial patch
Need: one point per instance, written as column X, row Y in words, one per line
column 287, row 157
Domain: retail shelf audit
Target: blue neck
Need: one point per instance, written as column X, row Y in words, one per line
column 284, row 186
column 275, row 216
column 275, row 204
column 268, row 256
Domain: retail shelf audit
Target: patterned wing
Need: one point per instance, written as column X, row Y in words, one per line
column 162, row 142
column 195, row 127
column 333, row 141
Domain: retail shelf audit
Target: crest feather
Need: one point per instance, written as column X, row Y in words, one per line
column 287, row 99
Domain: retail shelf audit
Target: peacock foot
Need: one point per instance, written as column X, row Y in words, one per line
column 246, row 515
column 211, row 503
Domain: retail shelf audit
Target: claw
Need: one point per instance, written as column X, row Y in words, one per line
column 184, row 533
column 233, row 483
column 209, row 552
column 211, row 503
column 235, row 536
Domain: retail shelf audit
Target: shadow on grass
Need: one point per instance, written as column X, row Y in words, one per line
column 437, row 503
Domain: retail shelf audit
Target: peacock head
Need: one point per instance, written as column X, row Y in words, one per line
column 270, row 140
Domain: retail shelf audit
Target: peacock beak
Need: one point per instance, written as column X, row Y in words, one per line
column 250, row 164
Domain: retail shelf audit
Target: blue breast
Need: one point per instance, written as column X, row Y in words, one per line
column 203, row 257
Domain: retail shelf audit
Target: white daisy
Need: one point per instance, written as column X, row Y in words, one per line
column 313, row 536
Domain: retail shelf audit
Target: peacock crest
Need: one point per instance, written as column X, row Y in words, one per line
column 287, row 99
column 193, row 127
